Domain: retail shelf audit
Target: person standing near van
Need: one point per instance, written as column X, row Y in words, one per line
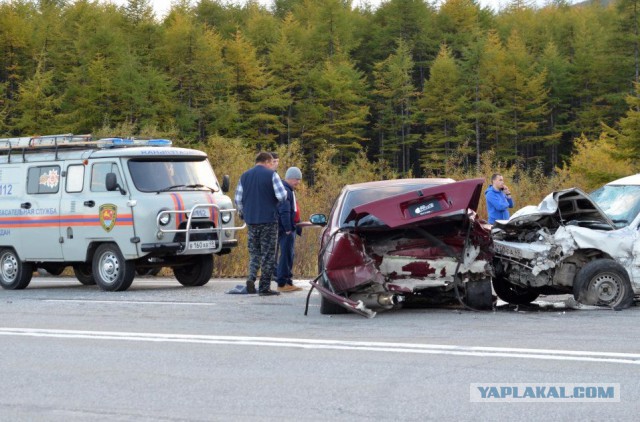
column 257, row 196
column 499, row 199
column 289, row 216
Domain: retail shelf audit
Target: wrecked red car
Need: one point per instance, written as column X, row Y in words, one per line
column 408, row 241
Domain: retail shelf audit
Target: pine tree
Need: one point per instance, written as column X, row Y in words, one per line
column 443, row 105
column 37, row 104
column 334, row 107
column 192, row 54
column 15, row 30
column 395, row 107
column 287, row 69
column 526, row 99
column 559, row 86
column 258, row 100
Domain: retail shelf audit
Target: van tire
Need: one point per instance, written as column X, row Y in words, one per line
column 111, row 271
column 603, row 282
column 14, row 274
column 84, row 274
column 197, row 273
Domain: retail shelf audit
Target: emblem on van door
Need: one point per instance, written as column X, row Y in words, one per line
column 108, row 216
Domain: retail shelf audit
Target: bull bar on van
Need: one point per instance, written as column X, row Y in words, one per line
column 182, row 248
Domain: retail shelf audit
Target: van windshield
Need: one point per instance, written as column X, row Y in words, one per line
column 171, row 175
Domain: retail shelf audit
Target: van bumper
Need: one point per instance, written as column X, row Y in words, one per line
column 175, row 247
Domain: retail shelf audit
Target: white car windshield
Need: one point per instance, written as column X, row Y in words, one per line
column 165, row 175
column 621, row 203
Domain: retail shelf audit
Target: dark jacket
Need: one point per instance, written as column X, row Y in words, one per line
column 287, row 212
column 259, row 200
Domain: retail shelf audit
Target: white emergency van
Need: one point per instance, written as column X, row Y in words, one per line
column 109, row 208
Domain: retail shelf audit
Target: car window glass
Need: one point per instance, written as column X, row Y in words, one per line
column 45, row 179
column 75, row 178
column 619, row 202
column 99, row 173
column 364, row 196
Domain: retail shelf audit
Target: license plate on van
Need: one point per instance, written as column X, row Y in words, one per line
column 202, row 244
column 201, row 213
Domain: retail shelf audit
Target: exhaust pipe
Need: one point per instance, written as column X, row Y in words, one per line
column 376, row 300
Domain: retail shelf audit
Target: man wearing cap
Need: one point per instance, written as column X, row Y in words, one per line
column 289, row 216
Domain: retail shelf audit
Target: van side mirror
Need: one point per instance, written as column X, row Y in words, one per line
column 225, row 183
column 111, row 183
column 318, row 219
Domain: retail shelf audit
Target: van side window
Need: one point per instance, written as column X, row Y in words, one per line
column 45, row 179
column 75, row 178
column 99, row 173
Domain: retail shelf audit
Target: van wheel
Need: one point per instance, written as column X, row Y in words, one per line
column 84, row 274
column 14, row 274
column 197, row 273
column 513, row 294
column 603, row 282
column 110, row 270
column 478, row 294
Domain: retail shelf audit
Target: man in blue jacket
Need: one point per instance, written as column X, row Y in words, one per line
column 257, row 196
column 289, row 216
column 498, row 199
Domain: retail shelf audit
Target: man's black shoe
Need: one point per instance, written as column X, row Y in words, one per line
column 251, row 288
column 268, row 293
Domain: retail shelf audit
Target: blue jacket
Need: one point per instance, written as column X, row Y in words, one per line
column 497, row 204
column 287, row 212
column 257, row 195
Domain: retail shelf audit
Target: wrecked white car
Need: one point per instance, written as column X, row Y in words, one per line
column 573, row 242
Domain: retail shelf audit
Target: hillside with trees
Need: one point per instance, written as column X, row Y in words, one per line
column 548, row 95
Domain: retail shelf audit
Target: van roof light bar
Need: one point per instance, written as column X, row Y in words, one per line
column 69, row 140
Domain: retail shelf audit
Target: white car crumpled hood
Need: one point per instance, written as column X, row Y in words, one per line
column 549, row 249
column 566, row 204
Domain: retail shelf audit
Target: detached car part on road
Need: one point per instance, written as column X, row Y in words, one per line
column 572, row 242
column 404, row 241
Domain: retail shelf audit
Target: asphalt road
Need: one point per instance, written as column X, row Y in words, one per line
column 163, row 352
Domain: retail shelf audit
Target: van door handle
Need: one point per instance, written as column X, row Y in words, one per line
column 89, row 204
column 26, row 205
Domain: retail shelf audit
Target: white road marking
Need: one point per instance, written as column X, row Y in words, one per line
column 128, row 302
column 432, row 349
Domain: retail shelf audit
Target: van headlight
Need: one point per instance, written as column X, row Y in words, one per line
column 225, row 217
column 165, row 218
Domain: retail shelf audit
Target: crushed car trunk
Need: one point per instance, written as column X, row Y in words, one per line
column 424, row 244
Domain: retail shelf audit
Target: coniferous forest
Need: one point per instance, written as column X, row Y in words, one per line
column 408, row 82
column 546, row 95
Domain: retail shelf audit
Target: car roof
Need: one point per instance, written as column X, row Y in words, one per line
column 629, row 180
column 398, row 182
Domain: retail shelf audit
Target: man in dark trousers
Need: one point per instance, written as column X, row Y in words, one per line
column 257, row 196
column 289, row 216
